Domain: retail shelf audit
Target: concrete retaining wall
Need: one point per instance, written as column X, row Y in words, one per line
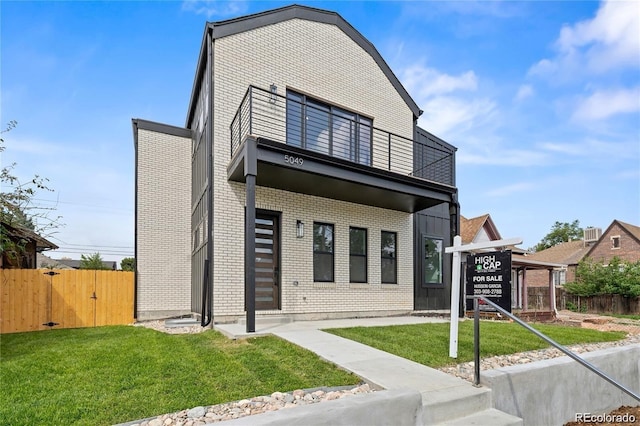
column 391, row 407
column 551, row 392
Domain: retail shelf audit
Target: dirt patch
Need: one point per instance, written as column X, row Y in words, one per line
column 623, row 416
column 599, row 322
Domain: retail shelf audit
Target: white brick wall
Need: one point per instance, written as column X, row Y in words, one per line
column 318, row 59
column 163, row 225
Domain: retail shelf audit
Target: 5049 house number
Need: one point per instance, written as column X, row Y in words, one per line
column 290, row 159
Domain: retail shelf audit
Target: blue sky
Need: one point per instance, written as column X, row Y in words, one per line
column 542, row 100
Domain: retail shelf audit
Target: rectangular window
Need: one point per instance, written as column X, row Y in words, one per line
column 559, row 277
column 432, row 260
column 615, row 242
column 322, row 252
column 388, row 264
column 357, row 255
column 328, row 129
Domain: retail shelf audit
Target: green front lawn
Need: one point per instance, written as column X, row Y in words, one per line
column 107, row 375
column 428, row 344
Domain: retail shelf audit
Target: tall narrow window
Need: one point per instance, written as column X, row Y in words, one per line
column 357, row 255
column 615, row 242
column 388, row 263
column 432, row 260
column 322, row 252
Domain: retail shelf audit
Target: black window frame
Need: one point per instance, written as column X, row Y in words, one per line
column 392, row 258
column 440, row 282
column 298, row 107
column 353, row 256
column 324, row 253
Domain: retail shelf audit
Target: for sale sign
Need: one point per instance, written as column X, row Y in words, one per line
column 489, row 275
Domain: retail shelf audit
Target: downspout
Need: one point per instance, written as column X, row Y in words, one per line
column 454, row 220
column 134, row 123
column 208, row 301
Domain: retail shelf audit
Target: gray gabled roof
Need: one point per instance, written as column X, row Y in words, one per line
column 250, row 22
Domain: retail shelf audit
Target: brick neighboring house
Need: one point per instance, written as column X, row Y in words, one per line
column 619, row 239
column 300, row 185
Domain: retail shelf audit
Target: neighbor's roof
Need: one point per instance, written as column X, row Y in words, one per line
column 229, row 27
column 20, row 232
column 570, row 253
column 469, row 228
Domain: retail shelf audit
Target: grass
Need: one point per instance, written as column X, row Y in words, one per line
column 107, row 375
column 630, row 317
column 428, row 344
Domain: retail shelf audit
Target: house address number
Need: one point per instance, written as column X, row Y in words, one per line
column 290, row 159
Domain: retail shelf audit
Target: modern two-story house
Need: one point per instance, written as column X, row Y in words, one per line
column 300, row 185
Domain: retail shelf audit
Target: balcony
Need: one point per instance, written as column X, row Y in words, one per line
column 308, row 147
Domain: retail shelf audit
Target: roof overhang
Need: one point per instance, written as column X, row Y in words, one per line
column 292, row 169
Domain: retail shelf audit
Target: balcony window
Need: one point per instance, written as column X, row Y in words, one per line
column 327, row 129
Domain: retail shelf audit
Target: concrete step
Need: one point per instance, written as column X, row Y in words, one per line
column 267, row 320
column 181, row 322
column 490, row 416
column 440, row 405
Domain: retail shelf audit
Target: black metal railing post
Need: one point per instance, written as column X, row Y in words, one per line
column 476, row 342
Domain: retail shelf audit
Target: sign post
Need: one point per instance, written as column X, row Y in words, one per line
column 456, row 249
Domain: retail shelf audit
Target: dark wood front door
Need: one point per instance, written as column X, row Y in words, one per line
column 267, row 261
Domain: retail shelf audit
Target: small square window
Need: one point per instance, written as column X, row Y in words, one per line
column 615, row 242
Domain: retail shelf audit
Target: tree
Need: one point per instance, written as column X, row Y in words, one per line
column 16, row 207
column 91, row 261
column 128, row 264
column 618, row 277
column 561, row 232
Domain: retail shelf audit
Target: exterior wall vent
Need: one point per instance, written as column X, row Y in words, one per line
column 592, row 235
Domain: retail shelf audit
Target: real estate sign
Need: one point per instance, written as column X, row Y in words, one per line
column 489, row 275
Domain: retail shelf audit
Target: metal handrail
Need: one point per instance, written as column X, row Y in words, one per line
column 476, row 346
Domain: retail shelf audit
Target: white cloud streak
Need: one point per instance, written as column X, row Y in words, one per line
column 211, row 8
column 603, row 104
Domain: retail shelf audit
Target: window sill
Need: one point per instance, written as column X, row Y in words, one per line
column 324, row 285
column 359, row 285
column 388, row 286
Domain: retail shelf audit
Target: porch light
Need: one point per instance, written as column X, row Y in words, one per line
column 299, row 229
column 274, row 92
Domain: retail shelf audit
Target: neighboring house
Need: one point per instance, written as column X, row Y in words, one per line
column 30, row 245
column 45, row 262
column 620, row 240
column 523, row 267
column 75, row 264
column 299, row 186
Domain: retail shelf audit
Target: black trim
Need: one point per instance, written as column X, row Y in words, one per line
column 365, row 255
column 241, row 24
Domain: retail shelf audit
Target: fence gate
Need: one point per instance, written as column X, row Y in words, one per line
column 38, row 299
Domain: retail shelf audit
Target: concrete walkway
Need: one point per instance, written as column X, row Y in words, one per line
column 446, row 399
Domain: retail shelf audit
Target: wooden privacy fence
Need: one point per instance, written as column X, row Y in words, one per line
column 40, row 299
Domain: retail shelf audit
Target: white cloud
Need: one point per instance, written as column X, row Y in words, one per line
column 211, row 8
column 444, row 115
column 424, row 82
column 606, row 103
column 607, row 42
column 525, row 91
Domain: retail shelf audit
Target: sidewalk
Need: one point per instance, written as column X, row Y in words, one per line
column 442, row 394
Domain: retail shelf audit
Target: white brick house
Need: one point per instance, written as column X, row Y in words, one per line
column 301, row 160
